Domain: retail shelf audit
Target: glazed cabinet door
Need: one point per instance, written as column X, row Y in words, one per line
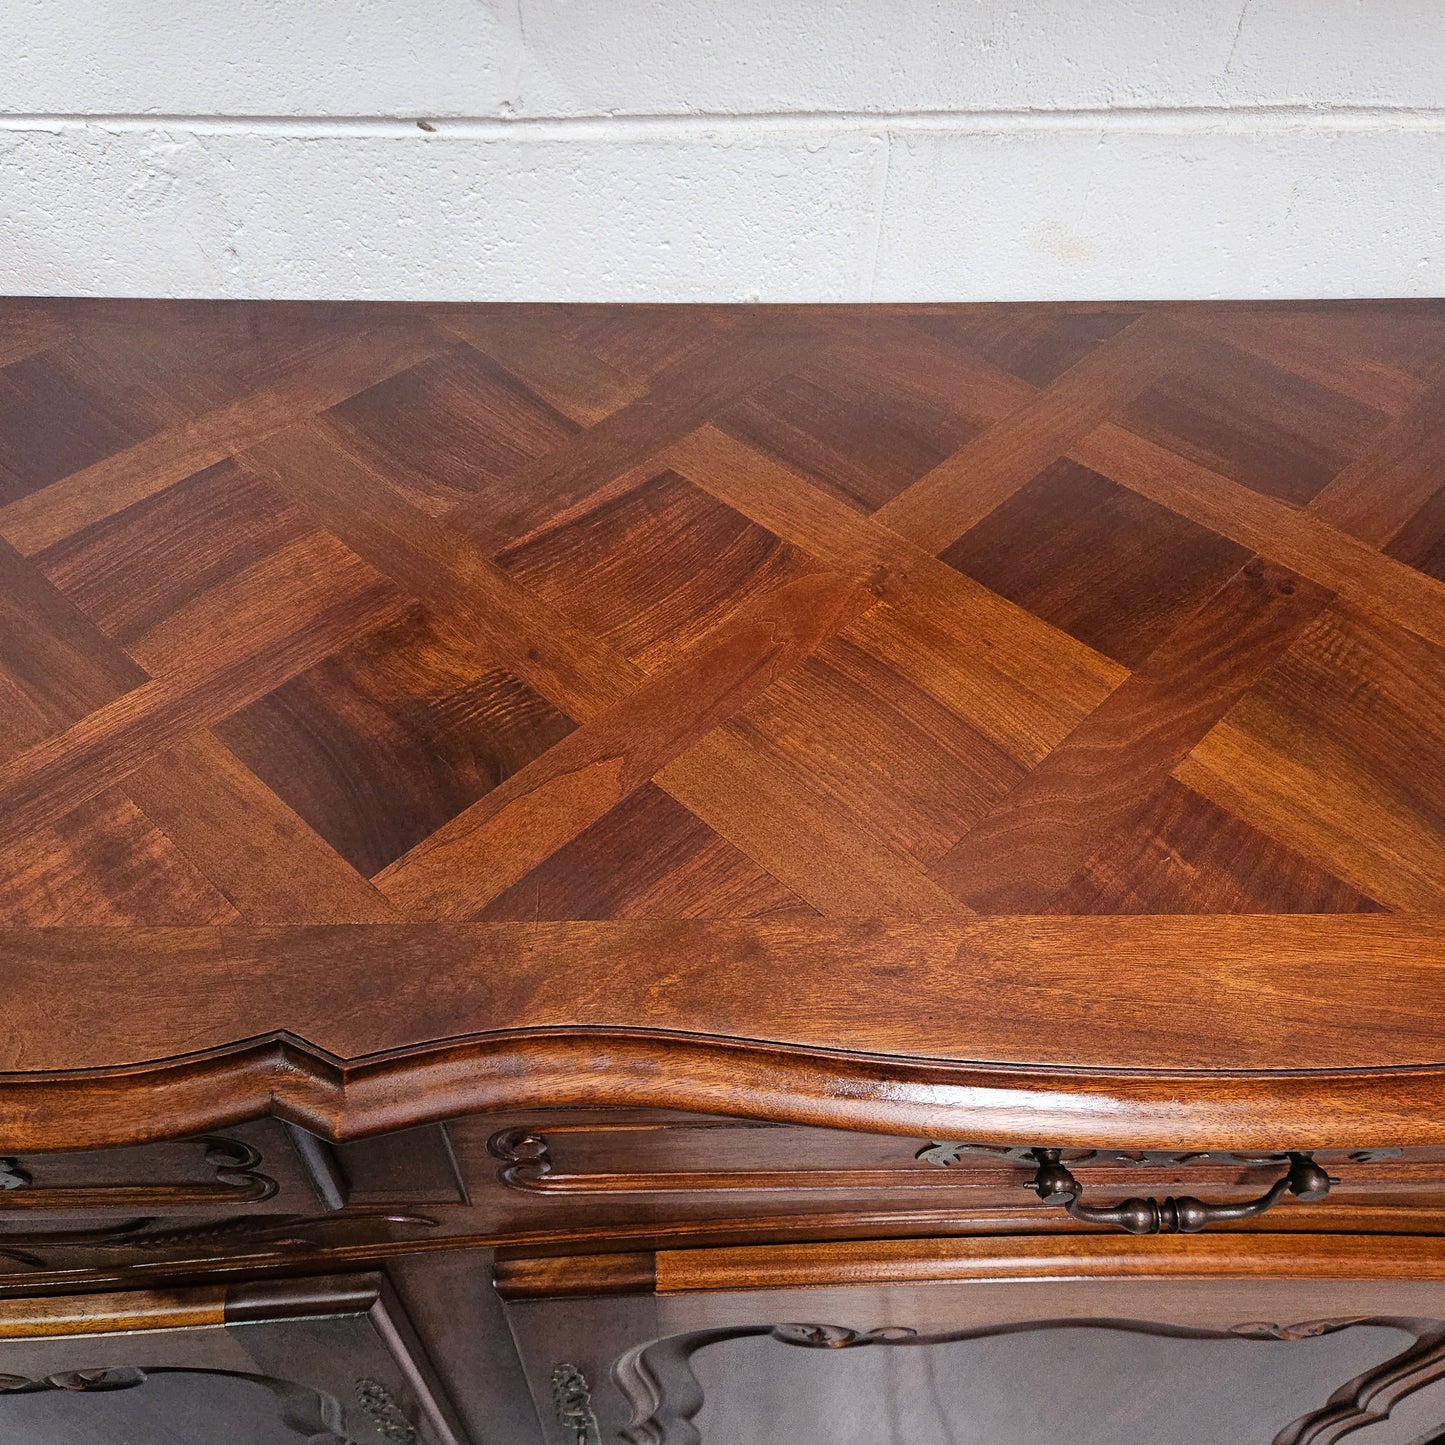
column 322, row 1362
column 874, row 1358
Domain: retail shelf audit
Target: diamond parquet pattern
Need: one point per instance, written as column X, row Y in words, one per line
column 326, row 613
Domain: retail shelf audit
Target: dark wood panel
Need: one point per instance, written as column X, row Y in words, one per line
column 325, row 1362
column 847, row 1344
column 458, row 1316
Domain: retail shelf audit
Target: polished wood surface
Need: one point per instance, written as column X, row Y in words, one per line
column 898, row 718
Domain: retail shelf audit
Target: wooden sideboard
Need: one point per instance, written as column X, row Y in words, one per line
column 722, row 875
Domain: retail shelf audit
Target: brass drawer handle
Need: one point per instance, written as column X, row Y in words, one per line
column 1184, row 1215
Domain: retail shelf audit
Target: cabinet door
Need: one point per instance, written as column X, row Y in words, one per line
column 324, row 1362
column 1248, row 1344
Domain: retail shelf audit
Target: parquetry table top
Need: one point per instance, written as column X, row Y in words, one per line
column 695, row 697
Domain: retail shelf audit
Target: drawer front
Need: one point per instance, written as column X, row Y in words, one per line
column 595, row 1159
column 562, row 1178
column 253, row 1166
column 64, row 1209
column 663, row 1168
column 263, row 1186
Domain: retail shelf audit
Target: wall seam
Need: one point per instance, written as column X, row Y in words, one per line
column 440, row 128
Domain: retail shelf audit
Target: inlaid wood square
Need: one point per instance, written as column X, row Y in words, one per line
column 136, row 569
column 1337, row 752
column 862, row 437
column 1110, row 567
column 1421, row 542
column 878, row 749
column 454, row 427
column 54, row 420
column 653, row 566
column 647, row 858
column 1184, row 854
column 388, row 738
column 1276, row 432
column 1037, row 343
column 317, row 614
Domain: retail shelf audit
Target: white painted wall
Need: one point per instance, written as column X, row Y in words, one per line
column 723, row 149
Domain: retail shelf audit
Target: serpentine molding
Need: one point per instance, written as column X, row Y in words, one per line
column 285, row 1077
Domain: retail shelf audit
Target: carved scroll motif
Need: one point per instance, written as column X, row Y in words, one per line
column 236, row 1178
column 945, row 1154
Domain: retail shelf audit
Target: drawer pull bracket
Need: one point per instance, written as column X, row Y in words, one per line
column 1184, row 1215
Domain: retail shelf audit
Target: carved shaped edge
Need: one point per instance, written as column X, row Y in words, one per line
column 658, row 1383
column 287, row 1078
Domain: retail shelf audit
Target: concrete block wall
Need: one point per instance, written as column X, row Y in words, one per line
column 723, row 149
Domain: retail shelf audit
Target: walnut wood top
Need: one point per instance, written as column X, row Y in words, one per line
column 881, row 716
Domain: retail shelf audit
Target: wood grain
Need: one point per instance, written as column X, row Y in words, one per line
column 1094, row 783
column 1296, row 539
column 966, row 717
column 1358, row 1257
column 577, row 782
column 99, row 491
column 962, row 490
column 87, row 1314
column 950, row 1044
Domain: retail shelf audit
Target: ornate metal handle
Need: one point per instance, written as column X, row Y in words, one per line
column 1185, row 1215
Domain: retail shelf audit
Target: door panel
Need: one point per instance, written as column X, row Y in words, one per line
column 182, row 1407
column 683, row 1350
column 1091, row 1386
column 325, row 1362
